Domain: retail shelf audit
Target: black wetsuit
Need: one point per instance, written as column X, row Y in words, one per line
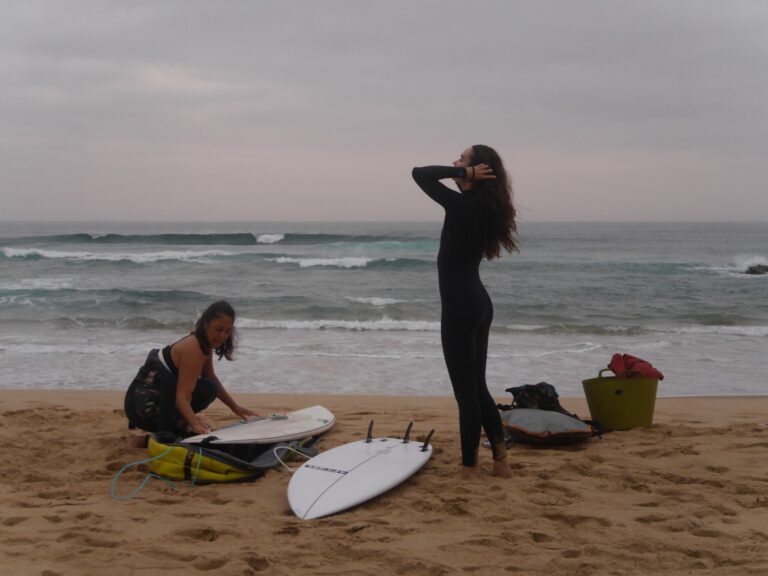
column 150, row 402
column 467, row 310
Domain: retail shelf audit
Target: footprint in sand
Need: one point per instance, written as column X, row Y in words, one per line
column 257, row 563
column 53, row 495
column 35, row 477
column 651, row 504
column 577, row 520
column 570, row 553
column 87, row 541
column 650, row 519
column 165, row 501
column 190, row 515
column 540, row 537
column 210, row 563
column 14, row 520
column 758, row 502
column 11, row 413
column 455, row 506
column 482, row 542
column 678, row 525
column 113, row 467
column 357, row 528
column 200, row 534
column 288, row 531
column 704, row 533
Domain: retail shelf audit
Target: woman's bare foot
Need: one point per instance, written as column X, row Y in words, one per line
column 501, row 468
column 138, row 441
column 500, row 465
column 469, row 473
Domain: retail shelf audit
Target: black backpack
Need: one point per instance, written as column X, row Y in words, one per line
column 541, row 396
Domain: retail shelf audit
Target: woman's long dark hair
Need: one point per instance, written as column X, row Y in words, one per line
column 497, row 194
column 216, row 310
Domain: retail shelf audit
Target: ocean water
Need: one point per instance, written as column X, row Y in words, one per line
column 353, row 308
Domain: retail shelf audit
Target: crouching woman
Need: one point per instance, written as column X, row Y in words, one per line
column 178, row 382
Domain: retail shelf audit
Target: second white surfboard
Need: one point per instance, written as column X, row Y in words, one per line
column 350, row 474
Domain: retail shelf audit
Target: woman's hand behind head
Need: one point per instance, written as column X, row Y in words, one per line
column 482, row 172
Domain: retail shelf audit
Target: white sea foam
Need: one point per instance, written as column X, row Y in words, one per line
column 738, row 266
column 525, row 327
column 759, row 331
column 86, row 349
column 341, row 262
column 139, row 258
column 744, row 261
column 572, row 329
column 575, row 348
column 400, row 355
column 383, row 323
column 375, row 301
column 269, row 238
column 15, row 301
column 38, row 284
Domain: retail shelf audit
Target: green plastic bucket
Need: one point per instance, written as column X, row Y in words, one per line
column 619, row 403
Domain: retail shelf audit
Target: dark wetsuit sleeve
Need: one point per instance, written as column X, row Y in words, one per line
column 428, row 178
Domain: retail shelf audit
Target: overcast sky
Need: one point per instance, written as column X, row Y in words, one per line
column 317, row 110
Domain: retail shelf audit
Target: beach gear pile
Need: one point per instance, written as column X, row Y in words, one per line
column 627, row 366
column 208, row 463
column 627, row 399
column 620, row 402
column 240, row 452
column 537, row 417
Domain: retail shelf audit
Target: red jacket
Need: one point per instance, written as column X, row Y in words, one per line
column 628, row 366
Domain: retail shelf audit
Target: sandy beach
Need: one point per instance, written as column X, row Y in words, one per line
column 687, row 496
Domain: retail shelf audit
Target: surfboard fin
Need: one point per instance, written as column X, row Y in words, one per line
column 407, row 433
column 370, row 432
column 426, row 442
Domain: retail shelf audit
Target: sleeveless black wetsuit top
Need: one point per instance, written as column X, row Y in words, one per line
column 166, row 352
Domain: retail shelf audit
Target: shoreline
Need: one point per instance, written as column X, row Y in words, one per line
column 113, row 391
column 688, row 494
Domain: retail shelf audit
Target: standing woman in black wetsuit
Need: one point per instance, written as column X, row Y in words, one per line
column 479, row 221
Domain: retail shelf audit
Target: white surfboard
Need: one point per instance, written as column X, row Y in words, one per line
column 271, row 429
column 350, row 474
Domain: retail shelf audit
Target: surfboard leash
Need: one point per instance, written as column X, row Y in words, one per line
column 287, row 448
column 150, row 475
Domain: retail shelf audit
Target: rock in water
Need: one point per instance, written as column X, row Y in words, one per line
column 757, row 269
